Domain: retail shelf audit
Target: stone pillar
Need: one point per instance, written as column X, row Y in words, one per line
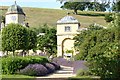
column 59, row 51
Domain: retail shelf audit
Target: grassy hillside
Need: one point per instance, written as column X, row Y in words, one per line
column 38, row 16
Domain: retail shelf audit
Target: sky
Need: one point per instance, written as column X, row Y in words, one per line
column 33, row 3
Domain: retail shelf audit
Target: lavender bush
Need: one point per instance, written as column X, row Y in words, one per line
column 63, row 62
column 79, row 65
column 50, row 67
column 34, row 70
column 57, row 66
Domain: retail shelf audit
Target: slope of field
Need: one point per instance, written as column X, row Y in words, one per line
column 39, row 16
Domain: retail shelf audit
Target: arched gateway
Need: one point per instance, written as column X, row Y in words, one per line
column 67, row 28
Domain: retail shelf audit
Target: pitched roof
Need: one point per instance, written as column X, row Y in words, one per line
column 68, row 19
column 15, row 9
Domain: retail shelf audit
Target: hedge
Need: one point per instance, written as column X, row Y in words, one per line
column 92, row 13
column 11, row 65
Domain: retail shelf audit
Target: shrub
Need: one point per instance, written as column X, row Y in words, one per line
column 57, row 66
column 69, row 51
column 48, row 41
column 79, row 65
column 82, row 72
column 100, row 48
column 50, row 67
column 85, row 13
column 109, row 18
column 11, row 64
column 34, row 70
column 64, row 62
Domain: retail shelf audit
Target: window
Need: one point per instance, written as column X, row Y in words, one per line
column 13, row 18
column 67, row 29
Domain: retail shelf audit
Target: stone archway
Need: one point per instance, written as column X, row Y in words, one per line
column 67, row 44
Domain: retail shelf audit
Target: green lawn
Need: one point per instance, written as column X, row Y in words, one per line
column 39, row 16
column 84, row 78
column 23, row 77
column 17, row 77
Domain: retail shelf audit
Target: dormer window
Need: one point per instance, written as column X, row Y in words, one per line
column 67, row 28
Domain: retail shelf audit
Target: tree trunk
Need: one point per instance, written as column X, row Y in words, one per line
column 7, row 53
column 13, row 53
column 75, row 11
column 28, row 52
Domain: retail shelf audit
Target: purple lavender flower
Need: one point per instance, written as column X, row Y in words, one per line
column 79, row 65
column 34, row 70
column 57, row 66
column 50, row 67
column 63, row 62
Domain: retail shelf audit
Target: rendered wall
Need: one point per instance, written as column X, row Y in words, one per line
column 65, row 39
column 15, row 18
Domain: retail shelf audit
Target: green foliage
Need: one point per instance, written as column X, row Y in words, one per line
column 85, row 5
column 116, row 6
column 3, row 19
column 74, row 6
column 11, row 65
column 82, row 72
column 100, row 48
column 32, row 39
column 86, row 13
column 14, row 37
column 69, row 51
column 82, row 41
column 0, row 42
column 48, row 41
column 41, row 29
column 17, row 37
column 109, row 17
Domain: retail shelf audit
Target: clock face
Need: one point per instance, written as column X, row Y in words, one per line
column 13, row 18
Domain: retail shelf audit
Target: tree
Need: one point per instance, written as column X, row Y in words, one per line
column 74, row 6
column 116, row 6
column 32, row 39
column 100, row 48
column 48, row 41
column 3, row 19
column 96, row 6
column 84, row 4
column 14, row 37
column 17, row 37
column 61, row 1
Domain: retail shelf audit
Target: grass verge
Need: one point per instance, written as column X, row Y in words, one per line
column 84, row 78
column 17, row 77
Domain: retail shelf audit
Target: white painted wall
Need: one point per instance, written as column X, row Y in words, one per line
column 64, row 39
column 15, row 18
